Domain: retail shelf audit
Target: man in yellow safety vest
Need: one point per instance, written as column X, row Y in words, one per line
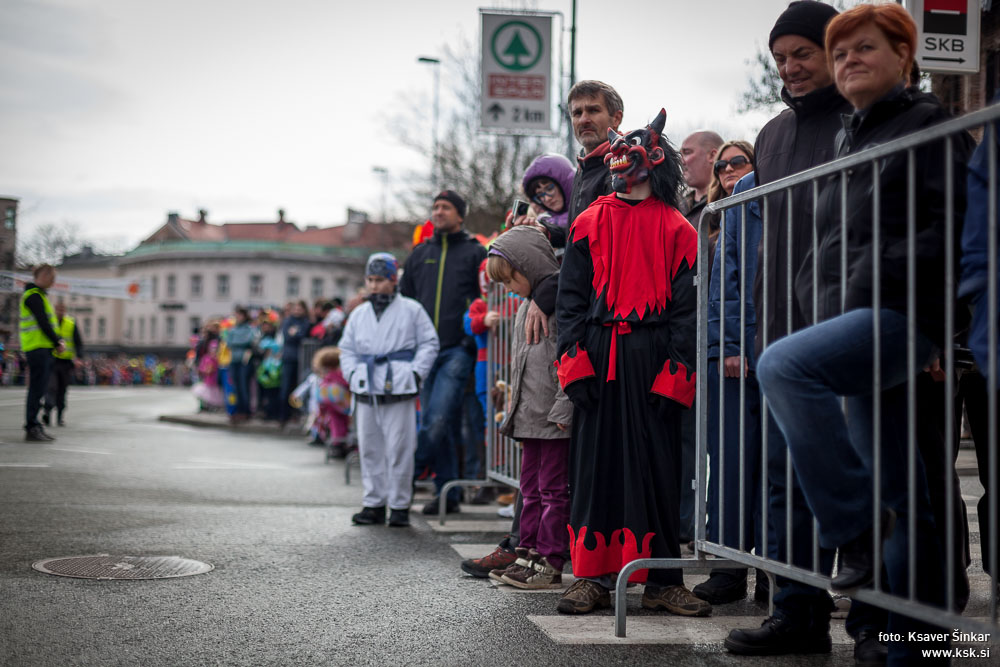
column 63, row 365
column 38, row 341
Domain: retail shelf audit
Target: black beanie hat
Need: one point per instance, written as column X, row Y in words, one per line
column 455, row 199
column 806, row 18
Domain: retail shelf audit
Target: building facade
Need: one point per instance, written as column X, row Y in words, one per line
column 196, row 271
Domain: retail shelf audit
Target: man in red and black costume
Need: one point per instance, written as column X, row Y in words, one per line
column 626, row 315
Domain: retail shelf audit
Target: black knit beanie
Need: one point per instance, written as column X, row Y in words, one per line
column 455, row 199
column 806, row 18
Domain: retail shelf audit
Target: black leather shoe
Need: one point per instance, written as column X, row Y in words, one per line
column 723, row 586
column 868, row 650
column 431, row 508
column 36, row 434
column 369, row 516
column 856, row 564
column 399, row 518
column 778, row 636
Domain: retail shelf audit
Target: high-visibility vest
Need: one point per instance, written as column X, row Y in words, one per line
column 65, row 331
column 31, row 334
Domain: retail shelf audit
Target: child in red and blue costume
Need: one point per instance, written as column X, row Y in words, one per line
column 479, row 319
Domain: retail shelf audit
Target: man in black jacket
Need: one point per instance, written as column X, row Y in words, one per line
column 800, row 137
column 38, row 339
column 442, row 274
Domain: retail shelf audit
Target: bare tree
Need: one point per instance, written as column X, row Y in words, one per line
column 49, row 243
column 486, row 169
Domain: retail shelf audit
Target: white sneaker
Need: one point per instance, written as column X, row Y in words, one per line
column 506, row 512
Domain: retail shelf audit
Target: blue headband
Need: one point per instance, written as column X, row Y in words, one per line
column 382, row 264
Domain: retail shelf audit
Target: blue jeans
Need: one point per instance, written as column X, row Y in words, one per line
column 473, row 436
column 803, row 377
column 240, row 374
column 731, row 448
column 441, row 399
column 289, row 381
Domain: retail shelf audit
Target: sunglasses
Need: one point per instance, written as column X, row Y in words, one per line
column 735, row 163
column 547, row 192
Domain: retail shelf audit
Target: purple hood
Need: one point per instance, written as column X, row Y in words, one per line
column 560, row 170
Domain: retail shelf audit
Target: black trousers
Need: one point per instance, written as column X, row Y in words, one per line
column 59, row 380
column 39, row 366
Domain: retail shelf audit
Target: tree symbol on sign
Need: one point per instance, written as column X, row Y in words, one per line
column 516, row 49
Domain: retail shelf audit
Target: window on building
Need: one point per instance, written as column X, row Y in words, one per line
column 102, row 328
column 86, row 327
column 256, row 285
column 195, row 286
column 129, row 329
column 156, row 287
column 10, row 218
column 194, row 324
column 142, row 329
column 292, row 286
column 152, row 328
column 171, row 286
column 168, row 325
column 317, row 288
column 222, row 285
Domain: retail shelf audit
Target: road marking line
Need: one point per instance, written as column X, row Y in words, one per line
column 25, row 465
column 76, row 451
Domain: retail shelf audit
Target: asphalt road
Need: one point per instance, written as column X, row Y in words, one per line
column 294, row 582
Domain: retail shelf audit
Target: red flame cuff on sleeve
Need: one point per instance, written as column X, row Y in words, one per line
column 574, row 365
column 676, row 386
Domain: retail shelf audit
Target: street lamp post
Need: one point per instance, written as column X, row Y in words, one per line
column 437, row 88
column 384, row 175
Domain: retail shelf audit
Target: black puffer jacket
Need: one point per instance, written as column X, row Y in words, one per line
column 442, row 273
column 592, row 180
column 798, row 138
column 901, row 113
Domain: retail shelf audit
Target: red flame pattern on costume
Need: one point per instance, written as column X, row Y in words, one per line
column 608, row 557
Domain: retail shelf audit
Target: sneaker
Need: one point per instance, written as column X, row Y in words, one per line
column 723, row 586
column 869, row 651
column 36, row 434
column 399, row 518
column 369, row 516
column 583, row 597
column 522, row 561
column 675, row 599
column 779, row 636
column 506, row 499
column 506, row 512
column 484, row 495
column 431, row 508
column 480, row 568
column 540, row 576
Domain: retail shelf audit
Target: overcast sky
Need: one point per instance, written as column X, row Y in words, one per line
column 114, row 112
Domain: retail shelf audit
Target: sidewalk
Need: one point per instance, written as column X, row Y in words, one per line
column 220, row 420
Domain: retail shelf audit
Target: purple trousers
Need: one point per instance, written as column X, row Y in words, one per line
column 545, row 490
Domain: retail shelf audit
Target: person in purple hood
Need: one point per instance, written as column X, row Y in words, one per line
column 548, row 182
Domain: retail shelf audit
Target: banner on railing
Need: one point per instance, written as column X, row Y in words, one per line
column 109, row 288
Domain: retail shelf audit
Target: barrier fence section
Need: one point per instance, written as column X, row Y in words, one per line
column 503, row 454
column 863, row 170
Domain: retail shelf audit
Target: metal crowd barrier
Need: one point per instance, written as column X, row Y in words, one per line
column 809, row 183
column 502, row 457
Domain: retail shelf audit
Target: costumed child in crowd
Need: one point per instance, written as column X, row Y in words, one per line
column 538, row 414
column 268, row 349
column 334, row 400
column 208, row 390
column 388, row 346
column 548, row 183
column 626, row 315
column 307, row 394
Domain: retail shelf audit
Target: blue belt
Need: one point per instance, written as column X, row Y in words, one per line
column 372, row 360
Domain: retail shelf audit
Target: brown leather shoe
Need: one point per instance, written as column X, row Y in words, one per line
column 583, row 597
column 675, row 599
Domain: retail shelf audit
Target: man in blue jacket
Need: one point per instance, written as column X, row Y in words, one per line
column 442, row 274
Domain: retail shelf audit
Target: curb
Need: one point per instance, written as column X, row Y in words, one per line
column 261, row 429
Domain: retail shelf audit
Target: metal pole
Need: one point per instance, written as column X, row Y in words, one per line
column 572, row 80
column 437, row 89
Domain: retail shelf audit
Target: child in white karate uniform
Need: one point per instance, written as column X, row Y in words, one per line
column 388, row 346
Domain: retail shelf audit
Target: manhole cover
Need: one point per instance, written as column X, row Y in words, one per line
column 105, row 566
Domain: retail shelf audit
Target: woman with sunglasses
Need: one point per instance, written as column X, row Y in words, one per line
column 729, row 584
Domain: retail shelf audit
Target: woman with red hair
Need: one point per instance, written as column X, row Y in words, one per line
column 871, row 51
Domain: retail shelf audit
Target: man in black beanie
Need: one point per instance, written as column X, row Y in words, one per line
column 442, row 273
column 800, row 137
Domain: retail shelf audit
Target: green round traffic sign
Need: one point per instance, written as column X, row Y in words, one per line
column 515, row 49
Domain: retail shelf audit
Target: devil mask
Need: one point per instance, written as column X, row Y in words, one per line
column 633, row 155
